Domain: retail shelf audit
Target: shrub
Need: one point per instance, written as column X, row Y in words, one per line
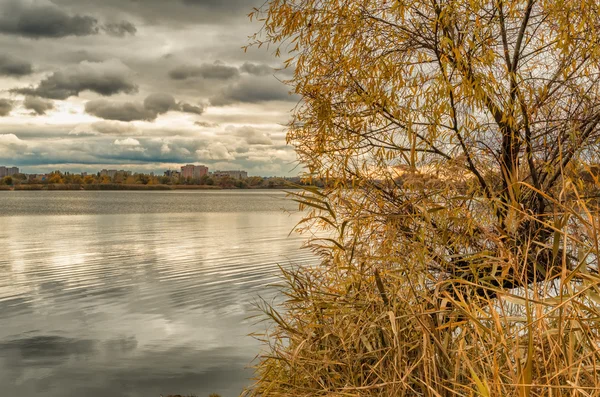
column 452, row 139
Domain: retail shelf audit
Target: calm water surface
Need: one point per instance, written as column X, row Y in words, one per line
column 110, row 294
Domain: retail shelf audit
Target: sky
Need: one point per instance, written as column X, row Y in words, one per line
column 142, row 85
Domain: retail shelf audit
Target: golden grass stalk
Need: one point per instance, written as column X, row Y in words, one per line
column 367, row 324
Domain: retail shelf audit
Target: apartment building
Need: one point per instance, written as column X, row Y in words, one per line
column 232, row 174
column 8, row 171
column 194, row 171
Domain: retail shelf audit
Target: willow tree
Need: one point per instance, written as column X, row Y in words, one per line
column 458, row 141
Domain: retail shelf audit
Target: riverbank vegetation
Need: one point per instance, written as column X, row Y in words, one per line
column 66, row 181
column 458, row 141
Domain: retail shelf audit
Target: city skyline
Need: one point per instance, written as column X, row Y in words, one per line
column 89, row 85
column 192, row 171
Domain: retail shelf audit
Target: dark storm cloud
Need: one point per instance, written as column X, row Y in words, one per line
column 10, row 66
column 6, row 107
column 104, row 78
column 253, row 90
column 216, row 71
column 153, row 106
column 120, row 29
column 38, row 105
column 43, row 19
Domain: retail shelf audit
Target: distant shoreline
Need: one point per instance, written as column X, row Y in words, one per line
column 122, row 187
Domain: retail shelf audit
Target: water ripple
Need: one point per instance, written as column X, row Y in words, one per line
column 139, row 288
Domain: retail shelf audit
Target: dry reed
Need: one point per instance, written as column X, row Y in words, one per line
column 383, row 322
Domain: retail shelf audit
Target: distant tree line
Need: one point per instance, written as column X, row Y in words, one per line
column 78, row 180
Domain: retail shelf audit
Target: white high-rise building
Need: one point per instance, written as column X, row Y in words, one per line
column 8, row 171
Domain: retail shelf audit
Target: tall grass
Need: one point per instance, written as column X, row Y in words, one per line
column 377, row 319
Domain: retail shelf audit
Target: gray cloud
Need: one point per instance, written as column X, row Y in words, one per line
column 114, row 128
column 206, row 124
column 187, row 108
column 10, row 145
column 6, row 107
column 120, row 29
column 80, row 56
column 121, row 111
column 92, row 65
column 157, row 147
column 252, row 136
column 256, row 69
column 10, row 66
column 173, row 11
column 38, row 105
column 216, row 71
column 253, row 90
column 184, row 72
column 104, row 78
column 160, row 103
column 43, row 19
column 219, row 71
column 153, row 106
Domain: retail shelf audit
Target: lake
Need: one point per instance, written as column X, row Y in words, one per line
column 127, row 294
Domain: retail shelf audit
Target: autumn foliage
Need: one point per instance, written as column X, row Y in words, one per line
column 461, row 216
